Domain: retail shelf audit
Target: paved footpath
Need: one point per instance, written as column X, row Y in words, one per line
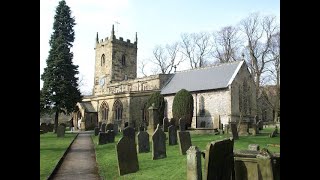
column 80, row 162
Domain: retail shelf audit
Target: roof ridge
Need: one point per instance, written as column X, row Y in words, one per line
column 209, row 67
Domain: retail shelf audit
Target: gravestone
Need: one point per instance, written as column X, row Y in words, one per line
column 103, row 127
column 219, row 160
column 194, row 170
column 216, row 122
column 227, row 128
column 143, row 142
column 61, row 131
column 203, row 124
column 182, row 124
column 272, row 134
column 129, row 132
column 234, row 131
column 184, row 140
column 260, row 125
column 159, row 144
column 254, row 147
column 44, row 127
column 103, row 139
column 141, row 128
column 127, row 156
column 115, row 129
column 96, row 131
column 172, row 135
column 254, row 129
column 100, row 123
column 165, row 124
column 110, row 136
column 153, row 118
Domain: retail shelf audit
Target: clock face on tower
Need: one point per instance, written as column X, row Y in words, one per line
column 101, row 81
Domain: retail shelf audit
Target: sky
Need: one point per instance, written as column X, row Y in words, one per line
column 157, row 22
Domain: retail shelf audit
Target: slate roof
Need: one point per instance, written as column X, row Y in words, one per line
column 87, row 107
column 208, row 78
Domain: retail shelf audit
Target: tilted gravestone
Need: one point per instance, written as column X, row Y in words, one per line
column 96, row 131
column 159, row 144
column 61, row 131
column 44, row 127
column 103, row 139
column 165, row 124
column 194, row 170
column 103, row 127
column 129, row 132
column 172, row 135
column 184, row 140
column 110, row 136
column 254, row 147
column 182, row 124
column 219, row 160
column 234, row 131
column 143, row 142
column 127, row 156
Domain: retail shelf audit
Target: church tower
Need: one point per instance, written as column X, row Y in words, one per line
column 116, row 60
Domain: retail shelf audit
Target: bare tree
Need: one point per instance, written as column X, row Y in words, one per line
column 227, row 43
column 142, row 66
column 195, row 47
column 167, row 58
column 258, row 33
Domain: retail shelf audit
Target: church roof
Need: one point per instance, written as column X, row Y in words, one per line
column 208, row 78
column 87, row 106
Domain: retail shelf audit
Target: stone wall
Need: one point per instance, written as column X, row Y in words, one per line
column 216, row 102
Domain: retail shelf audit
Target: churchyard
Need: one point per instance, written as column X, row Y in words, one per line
column 52, row 149
column 171, row 165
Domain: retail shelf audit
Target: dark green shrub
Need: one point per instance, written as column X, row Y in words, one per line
column 182, row 106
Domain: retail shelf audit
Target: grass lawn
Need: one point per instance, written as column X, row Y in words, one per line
column 51, row 150
column 174, row 166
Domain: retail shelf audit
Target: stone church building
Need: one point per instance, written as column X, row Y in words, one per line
column 223, row 92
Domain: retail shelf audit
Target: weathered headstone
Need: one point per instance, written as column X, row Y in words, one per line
column 143, row 142
column 219, row 160
column 103, row 139
column 110, row 136
column 44, row 127
column 194, row 170
column 61, row 131
column 216, row 122
column 203, row 124
column 182, row 124
column 172, row 135
column 234, row 131
column 165, row 124
column 153, row 119
column 254, row 147
column 127, row 156
column 103, row 127
column 184, row 140
column 159, row 144
column 243, row 128
column 129, row 132
column 96, row 131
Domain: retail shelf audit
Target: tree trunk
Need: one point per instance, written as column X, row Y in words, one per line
column 56, row 121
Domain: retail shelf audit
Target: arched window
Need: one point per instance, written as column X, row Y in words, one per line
column 104, row 109
column 202, row 111
column 103, row 60
column 123, row 60
column 117, row 107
